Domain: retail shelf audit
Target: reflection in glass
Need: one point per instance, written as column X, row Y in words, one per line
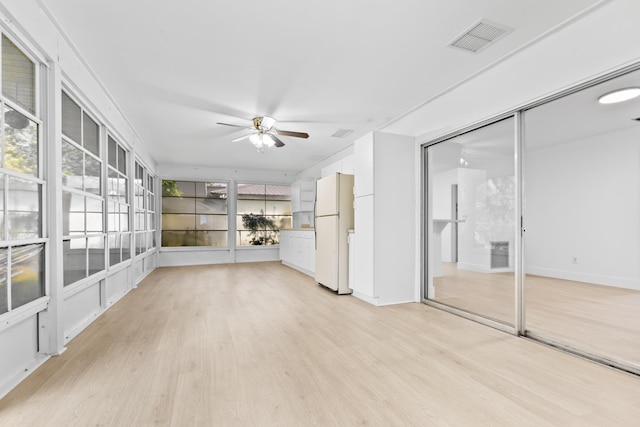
column 23, row 209
column 27, row 274
column 20, row 143
column 582, row 217
column 95, row 246
column 178, row 238
column 211, row 206
column 114, row 249
column 72, row 169
column 178, row 205
column 92, row 175
column 112, row 154
column 472, row 231
column 94, row 215
column 74, row 256
column 126, row 246
column 178, row 222
column 73, row 221
column 4, row 291
column 122, row 160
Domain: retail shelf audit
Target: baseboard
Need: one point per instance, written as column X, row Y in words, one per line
column 478, row 268
column 300, row 269
column 619, row 282
column 371, row 300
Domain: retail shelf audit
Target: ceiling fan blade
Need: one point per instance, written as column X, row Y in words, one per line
column 293, row 134
column 240, row 138
column 278, row 141
column 235, row 126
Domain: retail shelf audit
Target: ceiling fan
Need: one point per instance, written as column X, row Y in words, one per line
column 265, row 134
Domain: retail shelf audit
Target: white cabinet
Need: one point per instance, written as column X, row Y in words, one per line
column 385, row 222
column 303, row 194
column 298, row 250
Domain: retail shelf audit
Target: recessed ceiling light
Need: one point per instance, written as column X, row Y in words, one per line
column 619, row 95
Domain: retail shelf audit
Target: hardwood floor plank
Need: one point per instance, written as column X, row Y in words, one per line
column 262, row 344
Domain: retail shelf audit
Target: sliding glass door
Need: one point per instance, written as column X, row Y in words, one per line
column 532, row 223
column 582, row 220
column 471, row 217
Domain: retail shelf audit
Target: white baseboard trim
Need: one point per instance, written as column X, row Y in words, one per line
column 371, row 300
column 619, row 282
column 300, row 269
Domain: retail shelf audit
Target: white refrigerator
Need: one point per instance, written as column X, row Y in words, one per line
column 333, row 219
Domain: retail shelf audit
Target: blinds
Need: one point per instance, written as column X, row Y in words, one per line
column 18, row 76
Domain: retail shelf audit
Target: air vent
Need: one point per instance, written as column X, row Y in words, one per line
column 341, row 133
column 479, row 36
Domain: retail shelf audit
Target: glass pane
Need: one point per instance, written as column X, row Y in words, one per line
column 95, row 246
column 211, row 222
column 92, row 175
column 251, row 192
column 113, row 217
column 258, row 230
column 73, row 221
column 211, row 206
column 113, row 154
column 123, row 190
column 71, row 119
column 141, row 243
column 178, row 205
column 211, row 238
column 126, row 246
column 94, row 216
column 27, row 274
column 178, row 238
column 74, row 256
column 2, row 177
column 151, row 223
column 278, row 192
column 91, row 133
column 124, row 218
column 18, row 76
column 179, row 189
column 178, row 222
column 251, row 207
column 23, row 209
column 122, row 160
column 4, row 293
column 72, row 161
column 582, row 218
column 114, row 249
column 20, row 143
column 280, row 222
column 472, row 222
column 278, row 207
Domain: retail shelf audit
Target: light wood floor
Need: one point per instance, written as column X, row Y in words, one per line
column 598, row 319
column 261, row 345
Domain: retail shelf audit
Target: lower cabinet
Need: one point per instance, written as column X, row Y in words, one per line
column 298, row 250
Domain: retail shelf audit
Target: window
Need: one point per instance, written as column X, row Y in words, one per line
column 144, row 189
column 262, row 211
column 194, row 213
column 82, row 201
column 118, row 203
column 22, row 243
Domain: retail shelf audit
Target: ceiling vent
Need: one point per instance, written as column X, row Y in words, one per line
column 480, row 35
column 341, row 133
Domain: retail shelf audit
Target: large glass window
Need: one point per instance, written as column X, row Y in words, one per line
column 263, row 209
column 118, row 203
column 194, row 213
column 144, row 217
column 22, row 242
column 83, row 205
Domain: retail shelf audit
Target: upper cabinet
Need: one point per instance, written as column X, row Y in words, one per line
column 303, row 194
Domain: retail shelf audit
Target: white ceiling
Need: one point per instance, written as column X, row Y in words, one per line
column 176, row 68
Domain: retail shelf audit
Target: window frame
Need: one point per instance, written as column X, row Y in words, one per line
column 239, row 220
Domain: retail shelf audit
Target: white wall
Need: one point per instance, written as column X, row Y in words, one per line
column 582, row 201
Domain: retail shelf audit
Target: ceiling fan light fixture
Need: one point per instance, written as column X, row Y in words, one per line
column 619, row 95
column 268, row 141
column 256, row 139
